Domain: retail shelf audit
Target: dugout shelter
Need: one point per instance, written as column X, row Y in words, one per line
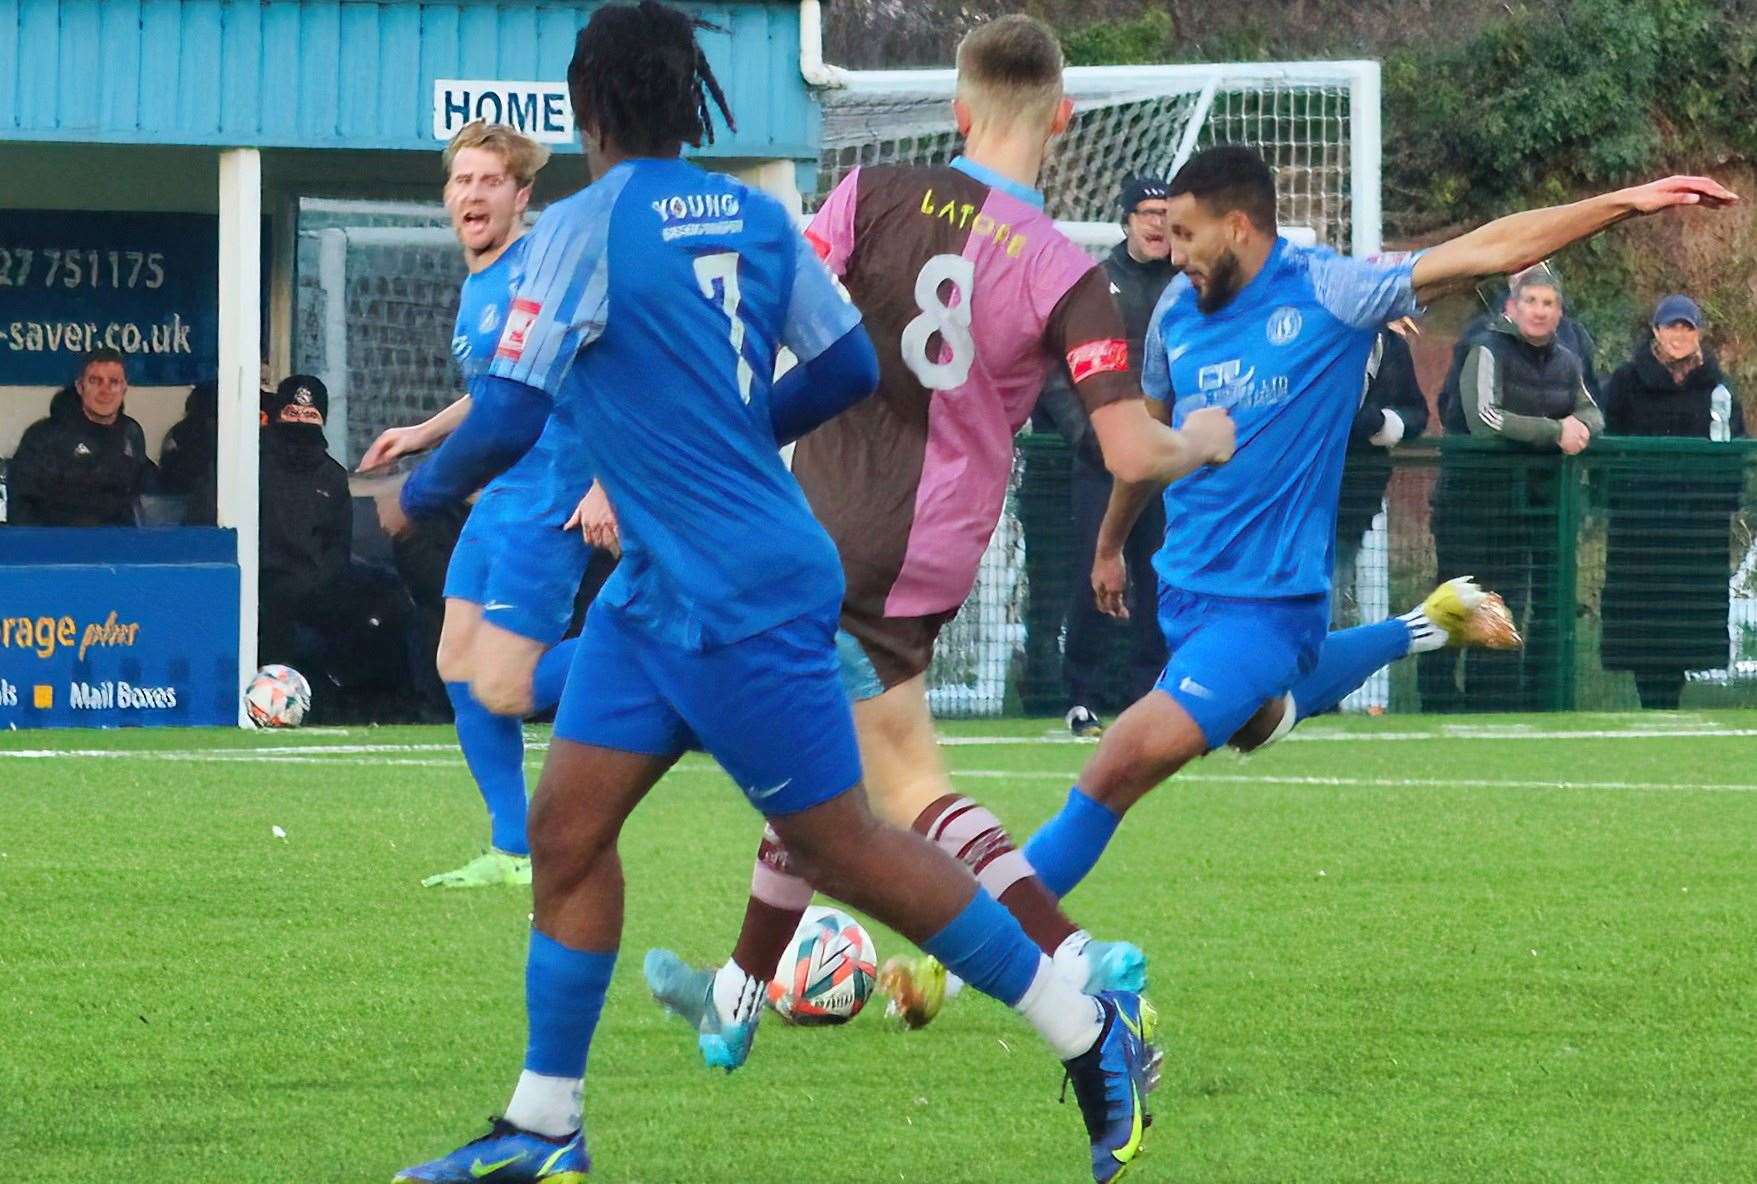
column 160, row 161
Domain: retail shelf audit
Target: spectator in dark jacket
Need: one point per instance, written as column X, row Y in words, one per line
column 1109, row 664
column 1392, row 410
column 1666, row 587
column 1569, row 332
column 86, row 463
column 343, row 625
column 188, row 456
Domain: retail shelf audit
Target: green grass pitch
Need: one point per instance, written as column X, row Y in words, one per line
column 1391, row 950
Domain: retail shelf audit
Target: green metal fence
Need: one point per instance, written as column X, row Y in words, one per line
column 1631, row 570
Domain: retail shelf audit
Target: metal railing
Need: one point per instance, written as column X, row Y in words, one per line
column 1631, row 569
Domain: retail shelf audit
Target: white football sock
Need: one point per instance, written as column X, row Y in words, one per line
column 547, row 1105
column 1424, row 635
column 1068, row 1020
column 738, row 997
column 1070, row 959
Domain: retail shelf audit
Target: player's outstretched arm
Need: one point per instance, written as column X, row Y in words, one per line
column 395, row 442
column 1520, row 240
column 504, row 420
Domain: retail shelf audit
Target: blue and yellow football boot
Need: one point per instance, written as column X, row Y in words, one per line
column 1111, row 1081
column 507, row 1155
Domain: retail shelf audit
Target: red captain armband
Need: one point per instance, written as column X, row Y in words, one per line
column 1098, row 357
column 819, row 244
column 519, row 320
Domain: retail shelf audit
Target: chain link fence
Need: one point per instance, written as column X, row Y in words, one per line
column 1631, row 570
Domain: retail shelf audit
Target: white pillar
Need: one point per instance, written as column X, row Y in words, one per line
column 332, row 280
column 779, row 179
column 240, row 363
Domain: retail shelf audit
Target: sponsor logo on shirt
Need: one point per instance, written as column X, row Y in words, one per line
column 1284, row 325
column 519, row 321
column 1222, row 385
column 1109, row 356
column 690, row 215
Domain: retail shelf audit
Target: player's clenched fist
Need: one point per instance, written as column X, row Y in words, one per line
column 1210, row 430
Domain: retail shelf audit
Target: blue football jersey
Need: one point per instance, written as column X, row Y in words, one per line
column 1286, row 357
column 536, row 485
column 651, row 308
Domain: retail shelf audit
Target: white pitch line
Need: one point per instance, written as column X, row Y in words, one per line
column 378, row 756
column 1511, row 733
column 319, row 752
column 1381, row 782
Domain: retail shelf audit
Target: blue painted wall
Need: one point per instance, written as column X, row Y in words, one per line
column 328, row 74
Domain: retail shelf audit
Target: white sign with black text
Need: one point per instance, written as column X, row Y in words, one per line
column 540, row 110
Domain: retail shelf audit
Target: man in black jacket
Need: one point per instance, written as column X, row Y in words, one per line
column 86, row 463
column 341, row 624
column 1392, row 410
column 1139, row 269
column 1666, row 593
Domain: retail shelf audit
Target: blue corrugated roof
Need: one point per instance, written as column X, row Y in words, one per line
column 326, row 74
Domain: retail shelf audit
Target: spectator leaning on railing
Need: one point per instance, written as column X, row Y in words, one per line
column 1520, row 384
column 86, row 463
column 1494, row 515
column 1569, row 332
column 1665, row 591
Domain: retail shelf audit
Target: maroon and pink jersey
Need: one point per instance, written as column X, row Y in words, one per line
column 970, row 295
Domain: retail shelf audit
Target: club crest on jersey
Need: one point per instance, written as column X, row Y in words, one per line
column 1284, row 325
column 519, row 321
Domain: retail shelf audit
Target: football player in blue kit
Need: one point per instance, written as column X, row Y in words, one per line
column 649, row 313
column 1279, row 335
column 510, row 587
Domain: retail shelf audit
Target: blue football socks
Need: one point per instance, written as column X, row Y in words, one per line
column 564, row 995
column 1346, row 660
column 550, row 677
column 494, row 749
column 984, row 946
column 1067, row 847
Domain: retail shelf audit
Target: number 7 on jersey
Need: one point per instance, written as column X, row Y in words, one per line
column 721, row 269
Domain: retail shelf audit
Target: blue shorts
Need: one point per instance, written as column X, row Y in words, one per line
column 769, row 708
column 1229, row 657
column 524, row 572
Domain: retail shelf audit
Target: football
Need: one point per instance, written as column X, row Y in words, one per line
column 827, row 974
column 278, row 697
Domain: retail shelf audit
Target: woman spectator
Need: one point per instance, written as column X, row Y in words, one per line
column 1665, row 594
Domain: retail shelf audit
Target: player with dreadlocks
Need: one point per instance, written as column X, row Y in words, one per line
column 649, row 313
